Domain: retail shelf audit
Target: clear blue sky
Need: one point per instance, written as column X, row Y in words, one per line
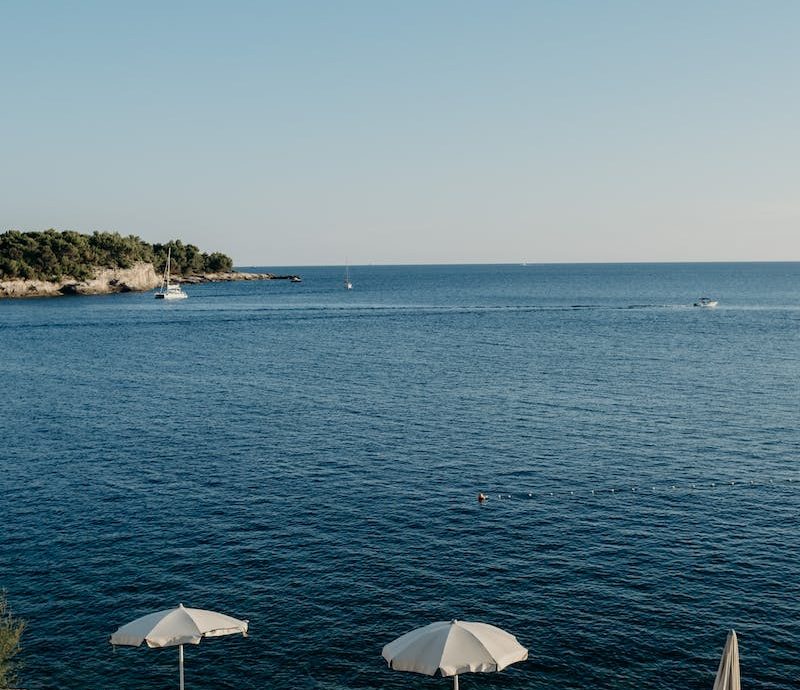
column 406, row 131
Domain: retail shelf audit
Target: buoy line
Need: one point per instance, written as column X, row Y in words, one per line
column 650, row 488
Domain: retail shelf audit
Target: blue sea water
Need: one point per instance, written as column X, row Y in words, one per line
column 308, row 458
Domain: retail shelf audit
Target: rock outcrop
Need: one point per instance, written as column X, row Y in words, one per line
column 224, row 277
column 139, row 278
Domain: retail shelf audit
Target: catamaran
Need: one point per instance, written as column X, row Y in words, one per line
column 168, row 291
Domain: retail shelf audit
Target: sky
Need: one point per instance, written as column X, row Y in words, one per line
column 406, row 131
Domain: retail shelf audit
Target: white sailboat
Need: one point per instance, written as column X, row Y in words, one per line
column 168, row 291
column 347, row 284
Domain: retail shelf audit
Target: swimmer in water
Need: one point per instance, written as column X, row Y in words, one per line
column 481, row 497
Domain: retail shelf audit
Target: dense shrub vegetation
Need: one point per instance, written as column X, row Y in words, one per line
column 53, row 255
column 10, row 634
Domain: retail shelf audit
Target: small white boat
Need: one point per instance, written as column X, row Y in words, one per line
column 167, row 290
column 347, row 284
column 706, row 302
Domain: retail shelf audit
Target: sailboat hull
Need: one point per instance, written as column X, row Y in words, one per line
column 174, row 294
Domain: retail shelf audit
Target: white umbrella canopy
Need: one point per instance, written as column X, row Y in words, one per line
column 453, row 647
column 728, row 671
column 177, row 627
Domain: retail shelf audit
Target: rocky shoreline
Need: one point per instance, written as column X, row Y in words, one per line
column 139, row 278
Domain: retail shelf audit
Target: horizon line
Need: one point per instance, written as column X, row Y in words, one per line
column 525, row 263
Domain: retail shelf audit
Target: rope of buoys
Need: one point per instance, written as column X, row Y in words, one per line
column 695, row 486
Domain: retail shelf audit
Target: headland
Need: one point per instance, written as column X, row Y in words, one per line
column 53, row 264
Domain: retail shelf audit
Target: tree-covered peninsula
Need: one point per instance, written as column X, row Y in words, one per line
column 54, row 256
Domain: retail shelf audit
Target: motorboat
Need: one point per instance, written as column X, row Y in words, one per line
column 706, row 302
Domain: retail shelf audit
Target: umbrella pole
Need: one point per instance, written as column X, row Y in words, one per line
column 455, row 682
column 180, row 663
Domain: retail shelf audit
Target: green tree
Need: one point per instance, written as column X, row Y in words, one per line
column 193, row 260
column 218, row 263
column 53, row 255
column 10, row 634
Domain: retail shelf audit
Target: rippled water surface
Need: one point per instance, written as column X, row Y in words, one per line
column 308, row 458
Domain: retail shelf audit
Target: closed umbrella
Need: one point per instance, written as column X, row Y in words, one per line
column 728, row 672
column 177, row 626
column 454, row 647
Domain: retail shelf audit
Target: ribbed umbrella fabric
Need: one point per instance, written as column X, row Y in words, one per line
column 177, row 627
column 450, row 648
column 728, row 671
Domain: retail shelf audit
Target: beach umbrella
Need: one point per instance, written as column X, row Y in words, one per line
column 728, row 672
column 453, row 647
column 177, row 627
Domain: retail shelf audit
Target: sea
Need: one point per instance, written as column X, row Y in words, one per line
column 309, row 458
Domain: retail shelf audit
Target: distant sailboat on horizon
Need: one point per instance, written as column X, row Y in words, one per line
column 348, row 285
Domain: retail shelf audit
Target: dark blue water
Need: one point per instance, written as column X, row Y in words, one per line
column 308, row 458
